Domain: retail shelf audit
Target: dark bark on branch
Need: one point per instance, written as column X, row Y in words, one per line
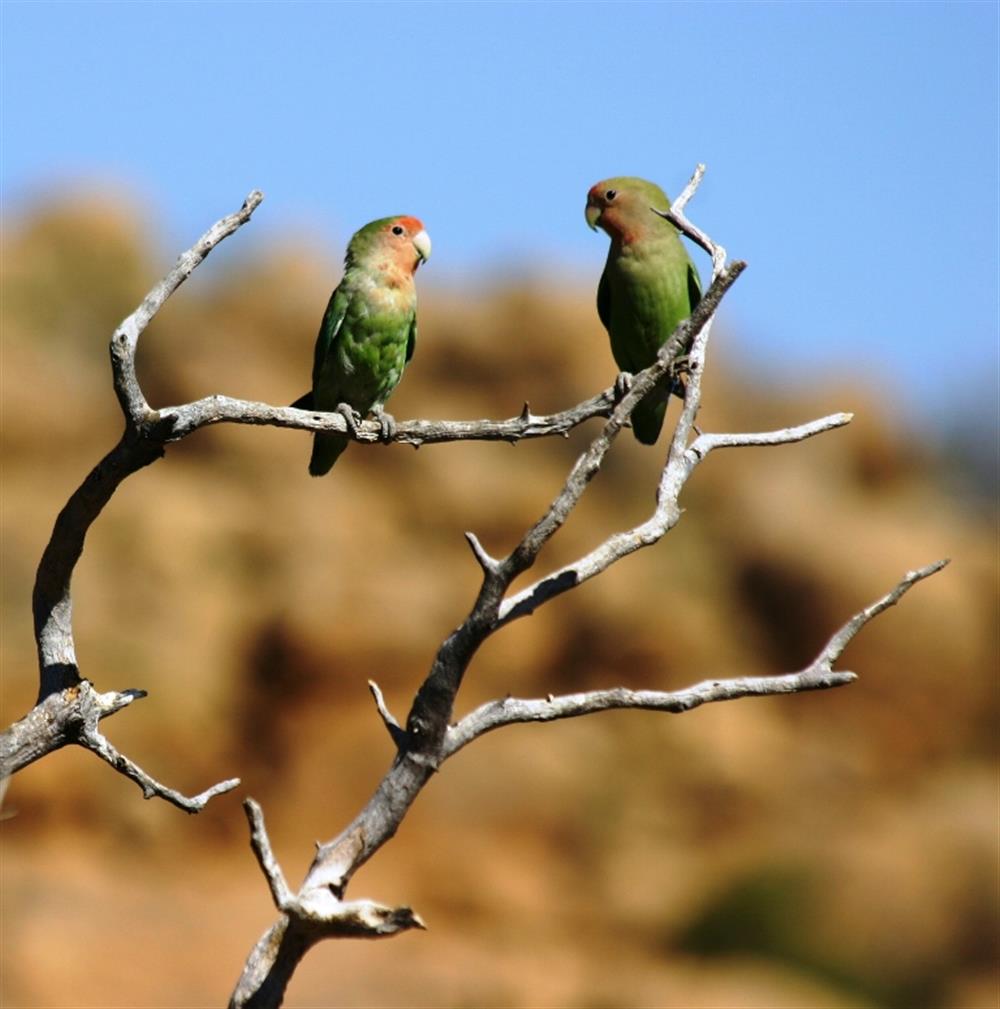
column 51, row 602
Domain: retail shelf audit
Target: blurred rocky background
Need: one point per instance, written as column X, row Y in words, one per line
column 836, row 849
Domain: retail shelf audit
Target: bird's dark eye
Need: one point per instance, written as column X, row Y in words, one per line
column 397, row 230
column 610, row 194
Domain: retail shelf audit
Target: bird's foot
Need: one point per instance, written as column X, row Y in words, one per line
column 680, row 373
column 623, row 383
column 350, row 416
column 387, row 423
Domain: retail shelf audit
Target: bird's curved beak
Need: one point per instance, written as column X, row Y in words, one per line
column 593, row 215
column 422, row 243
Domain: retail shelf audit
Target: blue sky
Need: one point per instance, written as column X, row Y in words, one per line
column 852, row 148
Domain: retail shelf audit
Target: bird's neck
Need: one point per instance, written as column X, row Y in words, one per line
column 640, row 241
column 387, row 271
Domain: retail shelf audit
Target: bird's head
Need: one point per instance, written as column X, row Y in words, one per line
column 401, row 241
column 623, row 207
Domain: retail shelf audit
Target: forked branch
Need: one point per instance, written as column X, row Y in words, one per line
column 429, row 738
column 818, row 675
column 63, row 692
column 69, row 709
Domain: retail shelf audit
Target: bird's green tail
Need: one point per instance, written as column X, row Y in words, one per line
column 647, row 417
column 326, row 451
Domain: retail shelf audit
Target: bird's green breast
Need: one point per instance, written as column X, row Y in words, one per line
column 368, row 355
column 648, row 295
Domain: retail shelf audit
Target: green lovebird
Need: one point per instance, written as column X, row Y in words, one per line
column 649, row 284
column 368, row 331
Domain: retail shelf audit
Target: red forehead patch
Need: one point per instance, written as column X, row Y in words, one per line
column 412, row 224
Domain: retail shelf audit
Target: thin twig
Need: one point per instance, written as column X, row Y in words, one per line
column 490, row 565
column 512, row 710
column 675, row 215
column 707, row 442
column 690, row 189
column 396, row 731
column 818, row 675
column 126, row 336
column 261, row 845
column 836, row 645
column 91, row 739
column 664, row 517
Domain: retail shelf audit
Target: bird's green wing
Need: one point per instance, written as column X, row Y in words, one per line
column 411, row 343
column 604, row 300
column 333, row 319
column 694, row 285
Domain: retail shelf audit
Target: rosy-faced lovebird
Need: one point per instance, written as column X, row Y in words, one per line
column 369, row 329
column 649, row 285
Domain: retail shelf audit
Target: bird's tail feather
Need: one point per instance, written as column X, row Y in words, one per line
column 649, row 412
column 326, row 451
column 647, row 417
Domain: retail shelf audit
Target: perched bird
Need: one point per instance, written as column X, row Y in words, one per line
column 368, row 331
column 649, row 285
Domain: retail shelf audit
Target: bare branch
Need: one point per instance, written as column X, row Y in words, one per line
column 396, row 731
column 75, row 712
column 91, row 739
column 513, row 710
column 274, row 959
column 675, row 215
column 490, row 565
column 180, row 421
column 818, row 675
column 836, row 645
column 427, row 725
column 72, row 716
column 587, row 466
column 705, row 443
column 261, row 845
column 690, row 189
column 148, row 432
column 69, row 711
column 126, row 336
column 665, row 516
column 684, row 460
column 305, row 919
column 51, row 601
column 55, row 722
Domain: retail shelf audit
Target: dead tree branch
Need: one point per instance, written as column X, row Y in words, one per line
column 72, row 716
column 69, row 710
column 818, row 675
column 429, row 737
column 64, row 705
column 181, row 421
